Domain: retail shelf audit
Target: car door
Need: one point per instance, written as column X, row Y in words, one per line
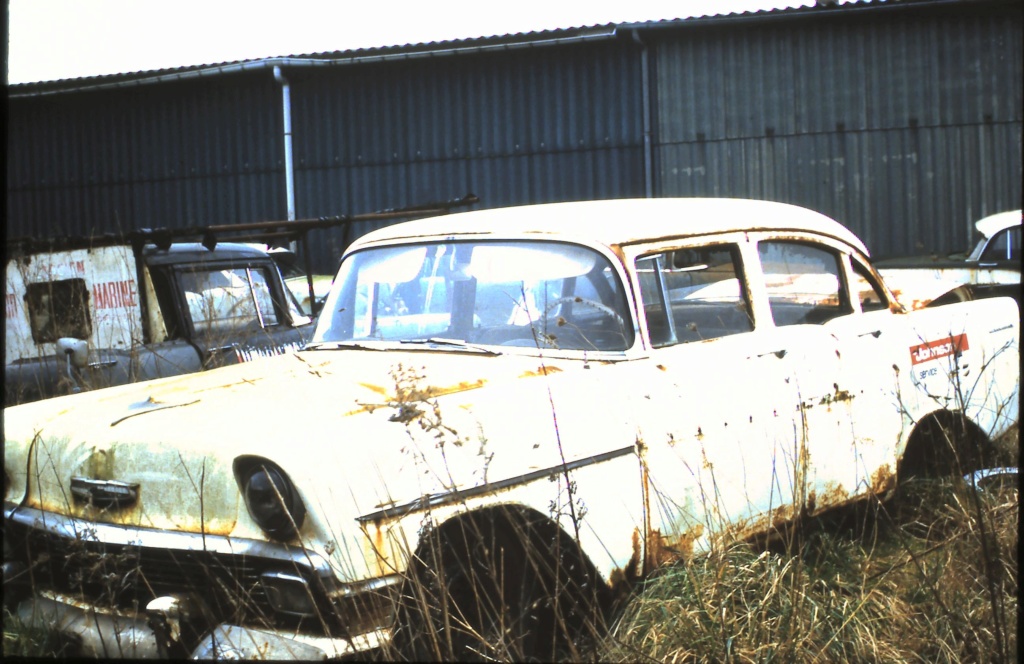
column 725, row 457
column 870, row 347
column 847, row 344
column 804, row 284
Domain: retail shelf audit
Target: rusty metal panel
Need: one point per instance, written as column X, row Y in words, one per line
column 107, row 301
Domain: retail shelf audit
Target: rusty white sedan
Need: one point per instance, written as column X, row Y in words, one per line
column 505, row 418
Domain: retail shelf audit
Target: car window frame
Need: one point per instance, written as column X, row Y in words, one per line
column 845, row 305
column 633, row 252
column 846, row 252
column 984, row 258
column 852, row 261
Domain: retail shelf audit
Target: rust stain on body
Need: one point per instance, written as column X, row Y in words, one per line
column 541, row 371
column 664, row 550
column 412, row 396
column 883, row 480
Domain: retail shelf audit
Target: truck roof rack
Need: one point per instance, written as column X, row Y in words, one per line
column 208, row 236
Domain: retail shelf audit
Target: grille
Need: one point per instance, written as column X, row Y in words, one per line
column 128, row 576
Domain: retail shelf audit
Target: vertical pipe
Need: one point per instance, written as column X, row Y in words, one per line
column 645, row 83
column 289, row 164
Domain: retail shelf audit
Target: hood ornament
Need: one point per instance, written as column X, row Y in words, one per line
column 104, row 493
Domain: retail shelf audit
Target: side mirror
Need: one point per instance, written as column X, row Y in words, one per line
column 76, row 350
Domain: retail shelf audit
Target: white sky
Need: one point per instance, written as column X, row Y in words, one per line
column 56, row 39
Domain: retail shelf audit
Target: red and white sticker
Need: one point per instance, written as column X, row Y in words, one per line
column 933, row 350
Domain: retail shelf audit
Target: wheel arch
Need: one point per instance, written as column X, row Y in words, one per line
column 945, row 441
column 541, row 533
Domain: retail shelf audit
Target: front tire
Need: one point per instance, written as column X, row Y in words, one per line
column 491, row 587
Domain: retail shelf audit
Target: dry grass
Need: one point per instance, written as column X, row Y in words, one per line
column 928, row 577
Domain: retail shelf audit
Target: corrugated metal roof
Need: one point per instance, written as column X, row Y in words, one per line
column 437, row 48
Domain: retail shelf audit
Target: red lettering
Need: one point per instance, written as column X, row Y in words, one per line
column 114, row 294
column 933, row 350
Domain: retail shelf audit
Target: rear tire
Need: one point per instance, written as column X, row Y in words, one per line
column 945, row 444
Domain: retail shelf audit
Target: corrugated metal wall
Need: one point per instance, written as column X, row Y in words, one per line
column 169, row 155
column 525, row 126
column 905, row 127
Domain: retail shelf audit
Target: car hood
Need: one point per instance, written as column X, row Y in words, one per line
column 358, row 432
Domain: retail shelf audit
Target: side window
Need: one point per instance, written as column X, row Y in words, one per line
column 803, row 283
column 868, row 291
column 229, row 299
column 693, row 294
column 1004, row 246
column 59, row 309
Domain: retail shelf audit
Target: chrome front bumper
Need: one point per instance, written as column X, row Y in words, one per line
column 163, row 627
column 99, row 633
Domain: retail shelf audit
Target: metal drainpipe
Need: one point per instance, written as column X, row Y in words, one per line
column 289, row 163
column 645, row 83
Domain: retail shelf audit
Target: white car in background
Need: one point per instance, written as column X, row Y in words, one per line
column 992, row 268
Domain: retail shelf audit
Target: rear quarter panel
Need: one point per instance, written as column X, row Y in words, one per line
column 963, row 357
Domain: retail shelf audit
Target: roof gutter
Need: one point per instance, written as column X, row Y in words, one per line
column 811, row 11
column 596, row 34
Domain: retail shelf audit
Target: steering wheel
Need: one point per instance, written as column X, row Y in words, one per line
column 603, row 308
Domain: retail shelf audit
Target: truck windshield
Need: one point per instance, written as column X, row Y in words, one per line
column 226, row 300
column 544, row 294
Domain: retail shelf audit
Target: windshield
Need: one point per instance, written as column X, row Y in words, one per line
column 536, row 294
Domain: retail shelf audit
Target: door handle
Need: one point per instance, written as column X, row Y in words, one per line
column 875, row 334
column 781, row 353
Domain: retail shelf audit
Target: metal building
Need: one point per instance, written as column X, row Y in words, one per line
column 900, row 118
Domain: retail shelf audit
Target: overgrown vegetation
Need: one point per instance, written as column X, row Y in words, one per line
column 931, row 576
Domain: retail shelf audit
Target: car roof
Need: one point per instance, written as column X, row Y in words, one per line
column 618, row 222
column 181, row 251
column 992, row 224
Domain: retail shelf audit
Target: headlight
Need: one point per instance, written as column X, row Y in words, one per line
column 272, row 499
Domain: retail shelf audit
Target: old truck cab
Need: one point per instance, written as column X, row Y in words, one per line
column 79, row 318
